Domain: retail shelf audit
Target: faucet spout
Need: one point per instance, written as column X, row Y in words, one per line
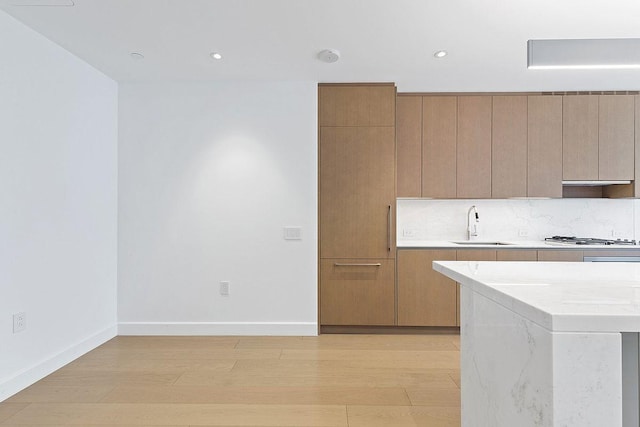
column 472, row 226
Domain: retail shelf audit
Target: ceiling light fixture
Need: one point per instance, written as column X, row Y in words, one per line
column 216, row 55
column 583, row 54
column 137, row 56
column 329, row 56
column 56, row 3
column 440, row 54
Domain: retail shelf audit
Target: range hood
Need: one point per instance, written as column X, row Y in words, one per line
column 593, row 183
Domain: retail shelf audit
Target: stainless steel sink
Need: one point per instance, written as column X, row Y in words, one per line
column 477, row 243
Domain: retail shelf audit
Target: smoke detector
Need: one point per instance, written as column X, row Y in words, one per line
column 329, row 55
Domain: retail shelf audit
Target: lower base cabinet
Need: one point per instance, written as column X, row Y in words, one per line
column 357, row 292
column 425, row 297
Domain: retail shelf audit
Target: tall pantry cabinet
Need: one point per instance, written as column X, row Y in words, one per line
column 357, row 204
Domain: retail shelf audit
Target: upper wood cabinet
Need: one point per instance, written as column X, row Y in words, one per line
column 580, row 137
column 439, row 134
column 598, row 137
column 357, row 192
column 409, row 145
column 544, row 148
column 473, row 150
column 509, row 147
column 356, row 105
column 616, row 137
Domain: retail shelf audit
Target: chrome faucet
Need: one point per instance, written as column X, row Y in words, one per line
column 472, row 228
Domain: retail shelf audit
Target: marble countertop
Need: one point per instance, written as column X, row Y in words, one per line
column 559, row 296
column 506, row 244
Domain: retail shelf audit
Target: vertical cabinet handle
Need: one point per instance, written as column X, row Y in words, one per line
column 389, row 229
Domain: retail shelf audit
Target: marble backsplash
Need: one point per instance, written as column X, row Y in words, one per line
column 518, row 219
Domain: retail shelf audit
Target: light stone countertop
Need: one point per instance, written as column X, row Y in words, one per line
column 559, row 296
column 507, row 244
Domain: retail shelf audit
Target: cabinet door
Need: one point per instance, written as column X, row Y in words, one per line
column 439, row 117
column 509, row 147
column 544, row 152
column 409, row 146
column 616, row 137
column 356, row 105
column 357, row 192
column 580, row 137
column 473, row 172
column 519, row 255
column 357, row 292
column 425, row 297
column 564, row 255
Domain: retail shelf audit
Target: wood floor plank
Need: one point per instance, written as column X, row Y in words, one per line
column 435, row 359
column 260, row 395
column 109, row 378
column 180, row 414
column 181, row 354
column 7, row 409
column 442, row 397
column 43, row 393
column 354, row 342
column 361, row 379
column 401, row 416
column 431, row 363
column 128, row 364
column 170, row 342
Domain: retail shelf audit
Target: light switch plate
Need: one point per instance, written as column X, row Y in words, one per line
column 292, row 233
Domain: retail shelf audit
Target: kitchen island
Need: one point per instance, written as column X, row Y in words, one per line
column 548, row 344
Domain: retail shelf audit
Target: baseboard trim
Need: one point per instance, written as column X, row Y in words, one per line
column 219, row 328
column 29, row 376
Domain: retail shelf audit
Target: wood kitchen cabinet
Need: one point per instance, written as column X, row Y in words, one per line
column 544, row 148
column 357, row 292
column 560, row 255
column 598, row 137
column 473, row 148
column 439, row 136
column 509, row 147
column 356, row 204
column 616, row 137
column 636, row 182
column 409, row 145
column 357, row 192
column 425, row 297
column 356, row 105
column 580, row 137
column 517, row 255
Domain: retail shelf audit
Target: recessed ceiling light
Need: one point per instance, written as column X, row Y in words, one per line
column 440, row 54
column 137, row 56
column 216, row 55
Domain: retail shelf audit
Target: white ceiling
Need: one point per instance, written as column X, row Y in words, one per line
column 380, row 40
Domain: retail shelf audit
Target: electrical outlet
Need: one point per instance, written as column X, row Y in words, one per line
column 225, row 288
column 523, row 232
column 409, row 232
column 19, row 322
column 292, row 233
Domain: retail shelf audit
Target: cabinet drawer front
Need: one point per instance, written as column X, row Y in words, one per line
column 357, row 292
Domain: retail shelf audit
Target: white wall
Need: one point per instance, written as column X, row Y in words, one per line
column 58, row 206
column 209, row 174
column 511, row 219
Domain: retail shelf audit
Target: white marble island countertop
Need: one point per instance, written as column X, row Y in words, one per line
column 559, row 296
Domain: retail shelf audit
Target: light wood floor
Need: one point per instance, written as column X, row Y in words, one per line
column 330, row 380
